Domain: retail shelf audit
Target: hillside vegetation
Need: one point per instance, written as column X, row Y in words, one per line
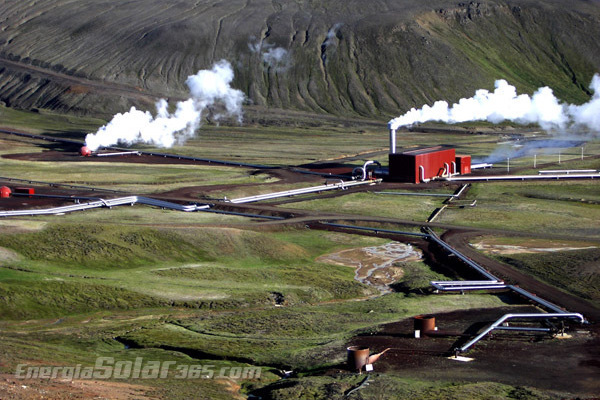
column 339, row 57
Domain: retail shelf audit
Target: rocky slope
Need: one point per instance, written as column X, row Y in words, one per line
column 344, row 57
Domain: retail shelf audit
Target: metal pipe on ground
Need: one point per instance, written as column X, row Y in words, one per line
column 465, row 259
column 313, row 189
column 507, row 317
column 521, row 177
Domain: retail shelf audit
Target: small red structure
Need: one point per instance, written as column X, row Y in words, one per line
column 85, row 151
column 422, row 164
column 25, row 190
column 463, row 164
column 5, row 192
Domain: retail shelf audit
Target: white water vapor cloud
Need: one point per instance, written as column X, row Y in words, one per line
column 165, row 129
column 272, row 56
column 329, row 41
column 331, row 34
column 542, row 108
column 275, row 56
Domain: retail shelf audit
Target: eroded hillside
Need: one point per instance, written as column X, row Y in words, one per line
column 341, row 57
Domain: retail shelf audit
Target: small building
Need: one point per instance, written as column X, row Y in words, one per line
column 25, row 190
column 463, row 164
column 423, row 164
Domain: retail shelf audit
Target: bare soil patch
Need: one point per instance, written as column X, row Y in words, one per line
column 29, row 389
column 532, row 246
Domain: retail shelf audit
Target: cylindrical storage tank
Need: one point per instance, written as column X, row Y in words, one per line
column 5, row 192
column 357, row 357
column 85, row 151
column 424, row 323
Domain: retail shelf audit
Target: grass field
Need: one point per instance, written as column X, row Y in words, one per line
column 221, row 290
column 372, row 203
column 568, row 208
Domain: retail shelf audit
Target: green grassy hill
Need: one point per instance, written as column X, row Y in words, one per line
column 340, row 57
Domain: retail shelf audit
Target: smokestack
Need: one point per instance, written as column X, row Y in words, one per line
column 392, row 138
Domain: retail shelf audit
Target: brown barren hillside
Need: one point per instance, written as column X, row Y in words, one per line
column 334, row 56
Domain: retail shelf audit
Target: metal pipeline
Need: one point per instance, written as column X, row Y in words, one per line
column 523, row 177
column 465, row 259
column 129, row 200
column 507, row 317
column 495, row 283
column 422, row 174
column 313, row 189
column 375, row 230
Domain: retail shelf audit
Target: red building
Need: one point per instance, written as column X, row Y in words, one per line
column 421, row 165
column 25, row 190
column 463, row 164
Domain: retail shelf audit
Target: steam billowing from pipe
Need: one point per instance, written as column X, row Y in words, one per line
column 543, row 108
column 207, row 88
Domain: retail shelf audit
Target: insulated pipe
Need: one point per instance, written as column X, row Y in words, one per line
column 447, row 170
column 462, row 283
column 511, row 316
column 365, row 166
column 536, row 299
column 422, row 174
column 130, row 200
column 468, row 287
column 359, row 172
column 523, row 177
column 121, row 153
column 454, row 171
column 465, row 259
column 522, row 328
column 313, row 189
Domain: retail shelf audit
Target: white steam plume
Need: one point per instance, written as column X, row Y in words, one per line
column 329, row 41
column 503, row 103
column 207, row 88
column 276, row 57
column 272, row 56
column 331, row 34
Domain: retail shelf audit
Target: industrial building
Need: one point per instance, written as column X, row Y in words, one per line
column 423, row 164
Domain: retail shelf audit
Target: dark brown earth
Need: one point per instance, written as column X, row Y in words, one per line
column 565, row 365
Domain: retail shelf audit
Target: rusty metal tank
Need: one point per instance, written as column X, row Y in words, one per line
column 358, row 356
column 85, row 151
column 424, row 323
column 5, row 192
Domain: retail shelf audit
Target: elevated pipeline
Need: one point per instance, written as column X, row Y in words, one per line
column 506, row 317
column 495, row 283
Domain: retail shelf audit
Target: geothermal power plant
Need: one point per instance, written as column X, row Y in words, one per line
column 412, row 166
column 424, row 164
